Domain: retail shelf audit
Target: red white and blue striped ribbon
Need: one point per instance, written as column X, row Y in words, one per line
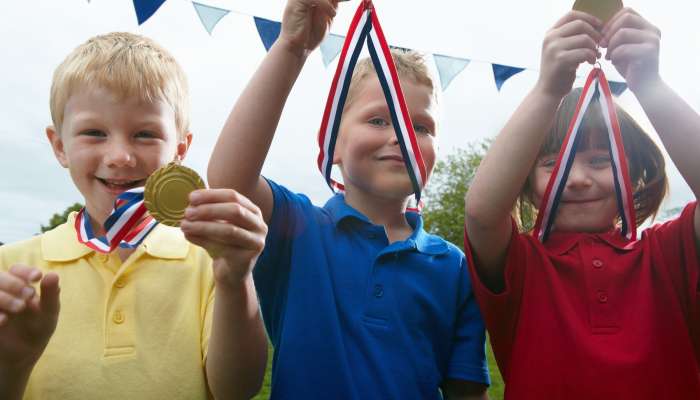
column 596, row 83
column 125, row 227
column 365, row 28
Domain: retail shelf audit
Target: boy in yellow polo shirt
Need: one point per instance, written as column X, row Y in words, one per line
column 135, row 323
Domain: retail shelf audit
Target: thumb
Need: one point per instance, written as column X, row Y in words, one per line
column 49, row 302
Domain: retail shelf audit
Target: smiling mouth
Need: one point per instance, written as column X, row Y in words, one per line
column 391, row 158
column 121, row 184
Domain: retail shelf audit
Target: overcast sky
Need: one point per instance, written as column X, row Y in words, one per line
column 37, row 34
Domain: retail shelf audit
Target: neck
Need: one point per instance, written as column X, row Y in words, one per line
column 387, row 212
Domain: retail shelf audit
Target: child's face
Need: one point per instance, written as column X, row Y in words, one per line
column 367, row 149
column 588, row 203
column 111, row 145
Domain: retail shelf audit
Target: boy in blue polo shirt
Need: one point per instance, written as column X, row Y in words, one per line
column 359, row 301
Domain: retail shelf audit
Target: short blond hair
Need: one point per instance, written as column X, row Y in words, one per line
column 409, row 65
column 128, row 65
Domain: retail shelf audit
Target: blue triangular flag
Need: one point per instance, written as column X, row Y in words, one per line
column 502, row 73
column 146, row 8
column 331, row 47
column 210, row 16
column 268, row 30
column 617, row 88
column 448, row 68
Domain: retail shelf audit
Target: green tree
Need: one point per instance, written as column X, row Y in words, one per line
column 58, row 219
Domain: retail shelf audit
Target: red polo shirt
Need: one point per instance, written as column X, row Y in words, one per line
column 594, row 316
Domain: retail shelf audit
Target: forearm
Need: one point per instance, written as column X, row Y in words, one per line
column 238, row 346
column 250, row 127
column 505, row 168
column 13, row 382
column 678, row 126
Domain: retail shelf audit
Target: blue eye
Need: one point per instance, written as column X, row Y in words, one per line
column 600, row 160
column 378, row 122
column 548, row 162
column 422, row 129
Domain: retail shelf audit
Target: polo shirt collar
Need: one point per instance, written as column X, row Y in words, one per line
column 61, row 244
column 423, row 242
column 562, row 242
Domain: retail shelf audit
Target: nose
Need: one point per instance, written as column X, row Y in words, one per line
column 578, row 176
column 119, row 154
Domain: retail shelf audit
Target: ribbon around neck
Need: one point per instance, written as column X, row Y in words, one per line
column 596, row 86
column 365, row 28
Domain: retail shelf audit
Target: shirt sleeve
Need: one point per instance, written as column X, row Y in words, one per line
column 673, row 246
column 500, row 310
column 271, row 272
column 468, row 358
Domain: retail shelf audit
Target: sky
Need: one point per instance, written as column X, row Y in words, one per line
column 36, row 35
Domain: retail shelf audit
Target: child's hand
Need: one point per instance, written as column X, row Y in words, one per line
column 27, row 320
column 230, row 227
column 305, row 23
column 571, row 41
column 633, row 47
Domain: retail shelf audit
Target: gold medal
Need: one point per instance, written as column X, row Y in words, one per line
column 602, row 9
column 167, row 191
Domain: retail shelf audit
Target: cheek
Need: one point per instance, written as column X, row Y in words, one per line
column 428, row 152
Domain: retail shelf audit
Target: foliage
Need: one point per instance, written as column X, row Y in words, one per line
column 58, row 219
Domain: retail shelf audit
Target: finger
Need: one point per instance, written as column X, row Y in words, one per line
column 627, row 20
column 222, row 234
column 628, row 36
column 232, row 213
column 16, row 286
column 578, row 27
column 324, row 6
column 11, row 304
column 577, row 42
column 28, row 274
column 618, row 15
column 208, row 196
column 577, row 56
column 629, row 52
column 49, row 302
column 574, row 15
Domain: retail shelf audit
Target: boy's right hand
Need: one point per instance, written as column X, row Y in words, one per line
column 305, row 24
column 27, row 319
column 571, row 41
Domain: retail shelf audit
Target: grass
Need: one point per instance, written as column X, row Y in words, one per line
column 495, row 391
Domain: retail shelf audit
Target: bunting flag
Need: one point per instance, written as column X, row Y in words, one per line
column 557, row 181
column 126, row 226
column 210, row 16
column 448, row 68
column 268, row 30
column 330, row 47
column 617, row 88
column 365, row 28
column 501, row 73
column 146, row 8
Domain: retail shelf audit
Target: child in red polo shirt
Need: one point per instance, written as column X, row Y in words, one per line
column 589, row 314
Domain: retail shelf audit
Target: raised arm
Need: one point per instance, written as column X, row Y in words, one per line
column 243, row 144
column 505, row 168
column 633, row 47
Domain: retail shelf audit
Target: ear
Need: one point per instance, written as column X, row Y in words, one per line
column 183, row 146
column 57, row 145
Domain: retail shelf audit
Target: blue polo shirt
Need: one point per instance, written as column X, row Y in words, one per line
column 354, row 317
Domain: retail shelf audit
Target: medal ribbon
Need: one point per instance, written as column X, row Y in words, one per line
column 365, row 28
column 623, row 189
column 126, row 226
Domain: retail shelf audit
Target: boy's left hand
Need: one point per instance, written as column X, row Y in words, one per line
column 230, row 227
column 633, row 47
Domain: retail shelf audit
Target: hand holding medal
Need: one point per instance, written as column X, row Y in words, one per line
column 167, row 190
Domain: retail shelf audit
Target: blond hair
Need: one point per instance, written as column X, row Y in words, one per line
column 126, row 64
column 409, row 65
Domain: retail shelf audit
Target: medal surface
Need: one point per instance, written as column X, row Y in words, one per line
column 602, row 9
column 167, row 191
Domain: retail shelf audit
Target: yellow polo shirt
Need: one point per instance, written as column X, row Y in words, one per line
column 137, row 329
